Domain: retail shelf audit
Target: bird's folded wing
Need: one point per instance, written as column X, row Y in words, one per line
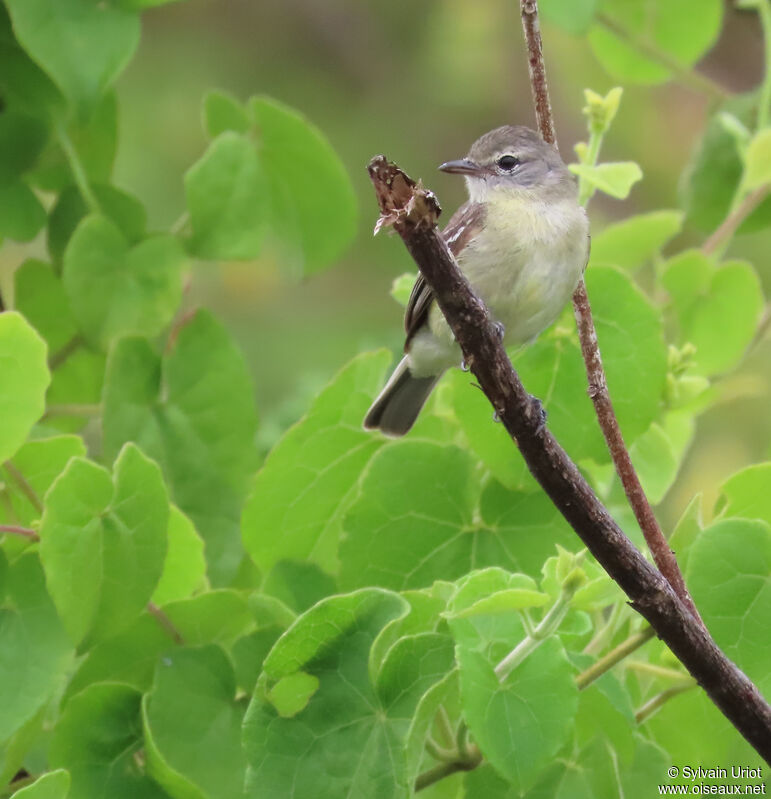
column 464, row 225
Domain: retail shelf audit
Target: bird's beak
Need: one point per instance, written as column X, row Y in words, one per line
column 463, row 166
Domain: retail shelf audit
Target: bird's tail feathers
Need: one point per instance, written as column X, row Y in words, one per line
column 399, row 403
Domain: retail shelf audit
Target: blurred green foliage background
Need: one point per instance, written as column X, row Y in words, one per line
column 418, row 82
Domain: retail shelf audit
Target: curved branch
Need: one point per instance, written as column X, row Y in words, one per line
column 587, row 334
column 413, row 212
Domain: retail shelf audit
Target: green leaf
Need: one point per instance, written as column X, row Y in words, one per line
column 718, row 309
column 215, row 617
column 53, row 785
column 222, row 112
column 21, row 215
column 522, row 723
column 574, row 17
column 22, row 138
column 77, row 380
column 712, row 177
column 687, row 530
column 94, row 139
column 24, row 383
column 746, row 493
column 184, row 570
column 292, row 693
column 303, row 487
column 40, row 461
column 56, row 33
column 632, row 242
column 615, row 179
column 97, row 738
column 125, row 211
column 401, row 288
column 681, row 31
column 192, row 410
column 116, row 290
column 334, row 748
column 228, row 199
column 631, row 336
column 103, row 542
column 313, row 206
column 40, row 296
column 298, row 585
column 35, row 653
column 413, row 520
column 196, row 752
column 758, row 160
column 656, row 461
column 504, row 602
column 728, row 576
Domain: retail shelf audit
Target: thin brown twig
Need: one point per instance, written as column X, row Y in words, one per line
column 23, row 486
column 166, row 623
column 15, row 529
column 587, row 334
column 413, row 212
column 731, row 223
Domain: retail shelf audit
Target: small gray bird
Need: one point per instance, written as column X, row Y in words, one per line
column 522, row 240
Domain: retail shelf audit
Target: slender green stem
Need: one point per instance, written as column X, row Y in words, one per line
column 585, row 189
column 721, row 238
column 73, row 409
column 645, row 47
column 652, row 705
column 14, row 529
column 598, row 642
column 546, row 627
column 24, row 486
column 445, row 726
column 180, row 224
column 439, row 752
column 764, row 11
column 446, row 769
column 607, row 662
column 61, row 355
column 656, row 671
column 78, row 170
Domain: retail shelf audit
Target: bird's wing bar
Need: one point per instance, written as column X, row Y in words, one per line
column 465, row 223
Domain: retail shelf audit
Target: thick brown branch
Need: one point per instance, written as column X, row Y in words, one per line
column 413, row 212
column 598, row 388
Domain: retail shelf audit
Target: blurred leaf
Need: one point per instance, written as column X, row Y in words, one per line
column 303, row 487
column 24, row 382
column 222, row 112
column 746, row 493
column 184, row 569
column 228, row 199
column 632, row 242
column 729, row 577
column 96, row 739
column 192, row 410
column 41, row 461
column 57, row 33
column 686, row 531
column 718, row 308
column 95, row 140
column 758, row 160
column 615, row 179
column 213, row 617
column 53, row 785
column 573, row 16
column 21, row 215
column 22, row 138
column 198, row 752
column 78, row 380
column 401, row 288
column 712, row 177
column 115, row 290
column 121, row 208
column 40, row 296
column 107, row 537
column 299, row 585
column 35, row 652
column 313, row 207
column 630, row 34
column 656, row 461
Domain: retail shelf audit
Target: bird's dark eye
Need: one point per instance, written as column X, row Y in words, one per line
column 508, row 162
